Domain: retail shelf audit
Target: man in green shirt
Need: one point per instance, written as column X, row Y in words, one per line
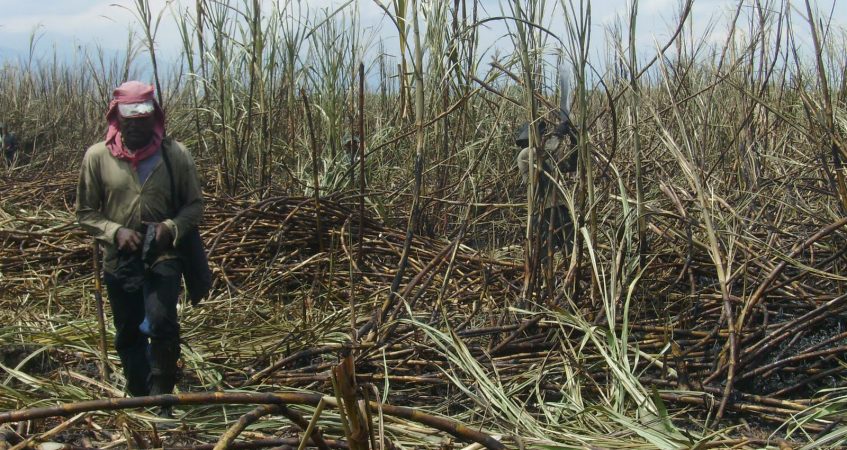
column 127, row 186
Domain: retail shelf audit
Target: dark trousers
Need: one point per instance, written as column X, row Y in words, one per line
column 147, row 328
column 555, row 229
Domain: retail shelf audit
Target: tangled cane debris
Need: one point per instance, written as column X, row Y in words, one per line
column 450, row 308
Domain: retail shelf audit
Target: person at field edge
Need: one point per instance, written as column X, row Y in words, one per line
column 556, row 157
column 125, row 201
column 350, row 146
column 9, row 143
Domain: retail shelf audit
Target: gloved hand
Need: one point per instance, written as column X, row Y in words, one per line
column 128, row 240
column 164, row 237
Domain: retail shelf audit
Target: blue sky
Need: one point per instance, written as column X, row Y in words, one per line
column 69, row 24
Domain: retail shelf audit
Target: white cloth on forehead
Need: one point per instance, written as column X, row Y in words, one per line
column 130, row 110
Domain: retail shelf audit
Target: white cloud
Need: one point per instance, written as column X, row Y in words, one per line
column 66, row 25
column 71, row 23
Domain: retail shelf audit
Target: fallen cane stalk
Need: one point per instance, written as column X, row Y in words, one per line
column 834, row 306
column 259, row 376
column 258, row 443
column 453, row 427
column 264, row 410
column 46, row 435
column 767, row 369
column 805, row 382
column 516, row 333
column 757, row 295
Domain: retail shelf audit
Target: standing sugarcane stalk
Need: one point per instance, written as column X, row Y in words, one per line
column 400, row 9
column 636, row 138
column 315, row 164
column 831, row 140
column 101, row 316
column 361, row 149
column 531, row 243
column 307, row 306
column 414, row 213
column 579, row 29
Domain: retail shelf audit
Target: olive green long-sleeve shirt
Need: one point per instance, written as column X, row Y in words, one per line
column 110, row 196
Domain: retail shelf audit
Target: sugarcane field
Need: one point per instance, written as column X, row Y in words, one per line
column 423, row 224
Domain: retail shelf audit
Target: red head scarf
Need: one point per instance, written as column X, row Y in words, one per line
column 133, row 92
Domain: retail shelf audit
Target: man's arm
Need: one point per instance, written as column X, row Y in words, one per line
column 190, row 196
column 89, row 197
column 523, row 164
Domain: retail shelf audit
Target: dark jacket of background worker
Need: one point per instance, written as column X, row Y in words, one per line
column 556, row 157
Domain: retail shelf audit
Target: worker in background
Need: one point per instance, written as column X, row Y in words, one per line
column 9, row 144
column 555, row 157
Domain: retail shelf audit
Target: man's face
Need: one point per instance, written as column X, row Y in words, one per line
column 136, row 131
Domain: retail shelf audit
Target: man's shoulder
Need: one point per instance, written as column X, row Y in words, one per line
column 523, row 157
column 174, row 147
column 97, row 150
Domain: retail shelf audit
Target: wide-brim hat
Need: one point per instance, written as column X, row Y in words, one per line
column 522, row 135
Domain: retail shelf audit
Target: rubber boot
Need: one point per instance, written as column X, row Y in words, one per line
column 163, row 358
column 136, row 368
column 162, row 378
